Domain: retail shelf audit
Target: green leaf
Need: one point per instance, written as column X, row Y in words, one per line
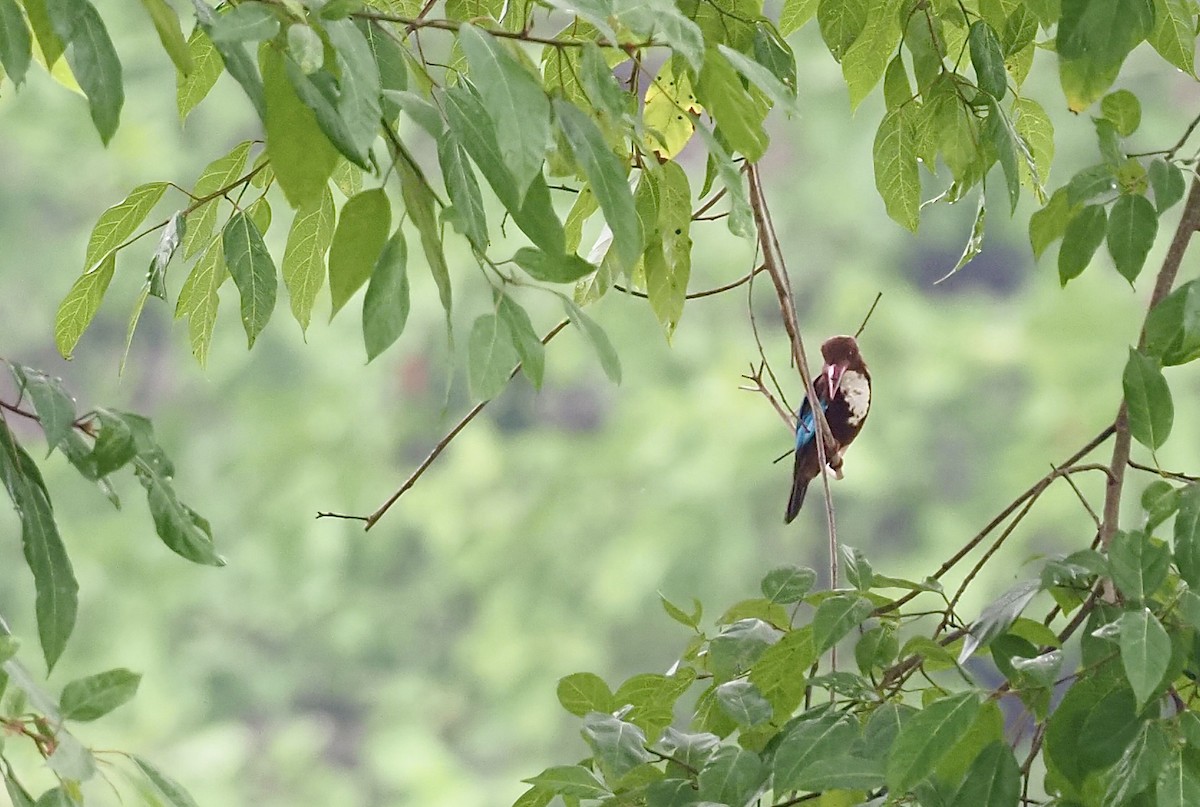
column 598, row 339
column 1139, row 566
column 114, row 446
column 895, row 157
column 617, row 746
column 79, row 307
column 780, row 94
column 837, row 616
column 742, row 701
column 1139, row 766
column 357, row 241
column 534, row 214
column 172, row 793
column 1082, row 237
column 198, row 299
column 219, row 174
column 16, row 47
column 570, row 780
column 1178, row 784
column 93, row 60
column 552, row 268
column 732, row 776
column 51, row 402
column 191, row 88
column 515, row 103
column 1006, row 143
column 301, row 156
column 1168, row 184
column 119, row 222
column 876, row 649
column 1103, row 30
column 974, row 243
column 584, row 692
column 668, row 23
column 998, row 616
column 1173, row 326
column 239, row 64
column 528, row 344
column 1145, row 652
column 97, row 695
column 841, row 22
column 245, row 22
column 418, row 201
column 795, row 14
column 170, row 34
column 1149, row 400
column 808, row 742
column 359, row 86
column 470, row 218
column 304, row 256
column 927, row 737
column 1124, row 110
column 1050, row 223
column 182, row 529
column 866, row 61
column 491, row 356
column 1033, row 125
column 993, row 780
column 1174, row 34
column 739, row 119
column 305, row 46
column 1160, row 501
column 788, row 584
column 252, row 270
column 1132, row 226
column 1187, row 535
column 988, row 59
column 606, row 177
column 385, row 306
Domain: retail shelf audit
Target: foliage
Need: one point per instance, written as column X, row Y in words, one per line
column 615, row 97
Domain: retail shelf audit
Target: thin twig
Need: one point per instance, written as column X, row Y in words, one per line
column 1178, row 477
column 373, row 519
column 1169, row 153
column 414, row 23
column 756, row 378
column 867, row 318
column 696, row 295
column 1189, row 221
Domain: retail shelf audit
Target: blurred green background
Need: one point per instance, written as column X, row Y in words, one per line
column 417, row 664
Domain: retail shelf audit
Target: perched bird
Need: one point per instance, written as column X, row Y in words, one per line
column 844, row 392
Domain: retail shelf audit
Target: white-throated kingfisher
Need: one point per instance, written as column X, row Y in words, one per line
column 844, row 392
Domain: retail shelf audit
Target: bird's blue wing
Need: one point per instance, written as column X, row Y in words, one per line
column 806, row 425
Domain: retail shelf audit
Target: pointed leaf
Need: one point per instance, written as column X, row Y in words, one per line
column 1149, row 400
column 491, row 357
column 419, row 199
column 190, row 89
column 16, row 47
column 304, row 256
column 119, row 222
column 529, row 346
column 584, row 692
column 896, row 178
column 79, row 307
column 198, row 299
column 361, row 232
column 252, row 270
column 1082, row 237
column 1145, row 652
column 95, row 696
column 927, row 737
column 170, row 34
column 300, row 153
column 1132, row 225
column 93, row 60
column 598, row 339
column 385, row 306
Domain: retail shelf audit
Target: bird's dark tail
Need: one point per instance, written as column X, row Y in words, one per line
column 806, row 468
column 796, row 500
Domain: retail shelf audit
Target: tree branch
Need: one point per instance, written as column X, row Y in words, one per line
column 1189, row 222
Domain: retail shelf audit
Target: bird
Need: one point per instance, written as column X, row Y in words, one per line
column 844, row 393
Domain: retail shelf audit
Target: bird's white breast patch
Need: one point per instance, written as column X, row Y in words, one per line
column 856, row 391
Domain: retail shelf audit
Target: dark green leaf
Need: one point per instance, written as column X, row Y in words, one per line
column 1145, row 652
column 998, row 616
column 876, row 649
column 238, row 62
column 1139, row 566
column 552, row 268
column 357, row 242
column 253, row 271
column 358, row 101
column 1132, row 225
column 385, row 306
column 927, row 737
column 1187, row 535
column 418, row 202
column 837, row 616
column 1005, row 141
column 93, row 60
column 787, row 584
column 97, row 695
column 164, row 786
column 732, row 776
column 182, row 529
column 1103, row 30
column 528, row 344
column 808, row 742
column 993, row 780
column 1160, row 501
column 51, row 402
column 1168, row 184
column 491, row 356
column 1139, row 766
column 617, row 746
column 1149, row 400
column 245, row 22
column 1173, row 326
column 742, row 701
column 781, row 95
column 1084, row 233
column 470, row 218
column 16, row 47
column 584, row 692
column 1050, row 223
column 988, row 59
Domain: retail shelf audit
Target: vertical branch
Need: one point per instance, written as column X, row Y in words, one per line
column 1189, row 222
column 773, row 261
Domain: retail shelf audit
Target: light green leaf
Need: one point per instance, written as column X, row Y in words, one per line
column 1174, row 34
column 866, row 60
column 780, row 94
column 515, row 103
column 491, row 357
column 1124, row 110
column 1148, row 397
column 93, row 60
column 1132, row 226
column 245, row 22
column 742, row 701
column 300, row 153
column 190, row 89
column 16, row 47
column 95, row 696
column 927, row 737
column 170, row 34
column 79, row 307
column 732, row 776
column 1033, row 125
column 418, row 202
column 198, row 299
column 668, row 22
column 552, row 268
column 120, row 221
column 598, row 339
column 837, row 616
column 357, row 241
column 182, row 529
column 1145, row 652
column 218, row 174
column 584, row 692
column 787, row 584
column 808, row 742
column 1178, row 784
column 606, row 177
column 1139, row 566
column 570, row 780
column 172, row 793
column 305, row 46
column 1139, row 767
column 529, row 346
column 1083, row 235
column 238, row 63
column 385, row 305
column 1050, row 223
column 896, row 177
column 739, row 119
column 668, row 261
column 617, row 746
column 304, row 256
column 974, row 241
column 252, row 270
column 841, row 23
column 795, row 14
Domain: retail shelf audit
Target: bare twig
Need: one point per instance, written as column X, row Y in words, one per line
column 867, row 318
column 414, row 23
column 1178, row 477
column 373, row 519
column 1188, row 224
column 696, row 295
column 755, row 377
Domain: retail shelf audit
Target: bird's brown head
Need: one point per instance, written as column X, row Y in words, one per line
column 842, row 351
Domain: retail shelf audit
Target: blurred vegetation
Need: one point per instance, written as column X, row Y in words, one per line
column 417, row 664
